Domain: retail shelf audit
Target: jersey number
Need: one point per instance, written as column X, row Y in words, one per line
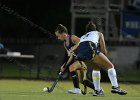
column 86, row 36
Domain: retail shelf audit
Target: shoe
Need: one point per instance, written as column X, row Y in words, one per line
column 118, row 90
column 98, row 92
column 74, row 91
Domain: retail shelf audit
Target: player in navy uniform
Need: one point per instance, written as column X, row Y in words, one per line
column 70, row 44
column 88, row 51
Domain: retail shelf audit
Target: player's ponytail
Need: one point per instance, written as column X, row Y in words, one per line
column 61, row 28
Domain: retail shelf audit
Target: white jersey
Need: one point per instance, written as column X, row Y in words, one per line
column 92, row 36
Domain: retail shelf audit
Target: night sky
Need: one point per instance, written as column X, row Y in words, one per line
column 46, row 14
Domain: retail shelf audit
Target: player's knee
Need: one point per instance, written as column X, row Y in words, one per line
column 110, row 65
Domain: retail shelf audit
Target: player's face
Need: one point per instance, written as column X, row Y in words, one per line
column 59, row 36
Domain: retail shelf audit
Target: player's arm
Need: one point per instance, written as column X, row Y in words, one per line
column 67, row 62
column 102, row 44
column 76, row 41
column 68, row 52
column 62, row 68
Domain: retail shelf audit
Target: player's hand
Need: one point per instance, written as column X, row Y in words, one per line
column 62, row 69
column 69, row 53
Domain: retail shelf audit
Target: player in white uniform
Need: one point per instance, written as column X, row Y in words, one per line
column 88, row 51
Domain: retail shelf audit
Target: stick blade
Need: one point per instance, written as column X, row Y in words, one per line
column 49, row 90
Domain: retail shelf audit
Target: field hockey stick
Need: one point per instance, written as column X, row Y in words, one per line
column 49, row 90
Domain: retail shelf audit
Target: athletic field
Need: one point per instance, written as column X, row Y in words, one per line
column 32, row 90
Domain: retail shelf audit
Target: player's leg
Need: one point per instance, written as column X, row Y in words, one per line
column 96, row 76
column 86, row 81
column 97, row 91
column 74, row 75
column 102, row 60
column 80, row 75
column 80, row 67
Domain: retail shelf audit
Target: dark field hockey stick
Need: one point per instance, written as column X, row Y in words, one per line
column 49, row 90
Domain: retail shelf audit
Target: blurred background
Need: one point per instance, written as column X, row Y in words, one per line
column 28, row 27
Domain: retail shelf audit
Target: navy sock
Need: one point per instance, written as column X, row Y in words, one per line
column 75, row 79
column 89, row 84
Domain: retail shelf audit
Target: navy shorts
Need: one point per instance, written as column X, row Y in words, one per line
column 86, row 50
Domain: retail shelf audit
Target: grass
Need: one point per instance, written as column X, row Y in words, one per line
column 32, row 90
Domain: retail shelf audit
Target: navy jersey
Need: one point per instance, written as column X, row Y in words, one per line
column 70, row 43
column 69, row 47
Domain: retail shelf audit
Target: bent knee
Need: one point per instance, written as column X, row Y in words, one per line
column 110, row 65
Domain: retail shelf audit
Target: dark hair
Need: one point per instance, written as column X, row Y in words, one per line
column 90, row 27
column 60, row 28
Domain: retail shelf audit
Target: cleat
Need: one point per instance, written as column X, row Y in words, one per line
column 74, row 91
column 118, row 90
column 98, row 92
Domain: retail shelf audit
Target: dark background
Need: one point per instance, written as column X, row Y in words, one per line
column 28, row 26
column 18, row 34
column 46, row 13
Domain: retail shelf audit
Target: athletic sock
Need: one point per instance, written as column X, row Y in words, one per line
column 96, row 79
column 88, row 83
column 112, row 77
column 75, row 79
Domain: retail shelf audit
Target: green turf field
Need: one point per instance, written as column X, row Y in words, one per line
column 32, row 90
